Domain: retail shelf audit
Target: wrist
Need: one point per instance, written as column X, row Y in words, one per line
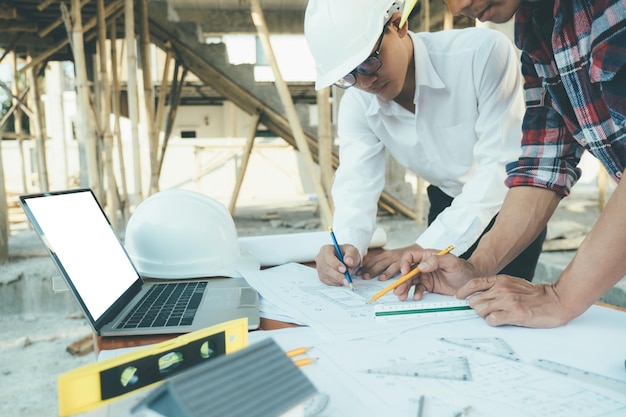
column 483, row 266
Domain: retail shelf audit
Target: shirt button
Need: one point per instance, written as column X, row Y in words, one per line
column 618, row 174
column 583, row 142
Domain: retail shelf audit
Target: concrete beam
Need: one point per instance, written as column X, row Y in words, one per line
column 219, row 21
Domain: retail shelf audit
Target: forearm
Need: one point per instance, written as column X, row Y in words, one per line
column 600, row 262
column 524, row 214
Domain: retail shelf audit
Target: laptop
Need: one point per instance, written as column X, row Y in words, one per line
column 99, row 272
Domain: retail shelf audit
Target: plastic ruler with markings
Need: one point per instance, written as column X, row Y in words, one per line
column 581, row 375
column 450, row 368
column 405, row 309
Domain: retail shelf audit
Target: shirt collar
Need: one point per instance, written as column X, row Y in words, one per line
column 425, row 76
column 425, row 73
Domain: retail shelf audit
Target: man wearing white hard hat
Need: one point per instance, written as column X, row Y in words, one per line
column 447, row 106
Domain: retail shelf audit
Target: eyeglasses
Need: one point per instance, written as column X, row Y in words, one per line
column 367, row 67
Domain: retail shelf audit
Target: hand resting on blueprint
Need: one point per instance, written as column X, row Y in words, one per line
column 504, row 299
column 383, row 264
column 499, row 299
column 440, row 274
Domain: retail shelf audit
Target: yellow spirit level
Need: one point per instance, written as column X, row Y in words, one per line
column 97, row 384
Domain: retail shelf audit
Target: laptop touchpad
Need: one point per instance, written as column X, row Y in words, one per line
column 249, row 297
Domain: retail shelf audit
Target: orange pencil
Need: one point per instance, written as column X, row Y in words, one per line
column 304, row 361
column 404, row 278
column 297, row 352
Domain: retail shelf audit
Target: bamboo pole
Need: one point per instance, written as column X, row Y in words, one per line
column 19, row 102
column 11, row 48
column 241, row 172
column 18, row 105
column 161, row 110
column 60, row 80
column 40, row 134
column 448, row 19
column 86, row 138
column 17, row 124
column 158, row 123
column 115, row 93
column 177, row 89
column 131, row 88
column 4, row 214
column 292, row 116
column 325, row 140
column 44, row 4
column 113, row 203
column 90, row 24
column 58, row 22
column 419, row 188
column 148, row 95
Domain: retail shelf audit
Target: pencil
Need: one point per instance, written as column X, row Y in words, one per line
column 297, row 352
column 340, row 256
column 404, row 278
column 304, row 362
column 420, row 406
column 408, row 8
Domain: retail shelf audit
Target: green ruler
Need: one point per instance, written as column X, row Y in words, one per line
column 400, row 310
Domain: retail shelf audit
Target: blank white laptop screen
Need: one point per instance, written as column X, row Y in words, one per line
column 80, row 236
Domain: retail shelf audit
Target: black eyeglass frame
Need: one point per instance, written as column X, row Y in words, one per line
column 350, row 79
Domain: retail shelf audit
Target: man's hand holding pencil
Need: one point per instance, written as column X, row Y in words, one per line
column 439, row 272
column 331, row 270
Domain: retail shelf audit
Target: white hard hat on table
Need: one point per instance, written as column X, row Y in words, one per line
column 182, row 234
column 342, row 33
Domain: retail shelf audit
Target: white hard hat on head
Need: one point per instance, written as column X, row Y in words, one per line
column 342, row 33
column 182, row 234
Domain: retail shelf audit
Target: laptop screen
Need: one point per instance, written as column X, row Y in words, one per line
column 84, row 245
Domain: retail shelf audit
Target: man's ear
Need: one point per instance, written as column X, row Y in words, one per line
column 395, row 22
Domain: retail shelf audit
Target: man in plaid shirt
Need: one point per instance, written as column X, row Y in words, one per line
column 573, row 63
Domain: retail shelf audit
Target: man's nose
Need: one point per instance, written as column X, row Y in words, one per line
column 366, row 81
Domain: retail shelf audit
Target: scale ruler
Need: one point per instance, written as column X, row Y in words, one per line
column 456, row 369
column 403, row 310
column 594, row 379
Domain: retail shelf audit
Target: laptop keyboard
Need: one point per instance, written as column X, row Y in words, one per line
column 166, row 305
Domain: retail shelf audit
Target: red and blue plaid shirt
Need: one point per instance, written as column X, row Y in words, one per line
column 574, row 67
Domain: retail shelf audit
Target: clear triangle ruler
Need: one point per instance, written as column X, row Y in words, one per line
column 454, row 368
column 490, row 345
column 415, row 309
column 581, row 375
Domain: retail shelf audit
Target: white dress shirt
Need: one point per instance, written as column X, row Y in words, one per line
column 466, row 127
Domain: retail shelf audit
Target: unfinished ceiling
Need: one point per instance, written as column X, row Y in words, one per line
column 35, row 26
column 38, row 29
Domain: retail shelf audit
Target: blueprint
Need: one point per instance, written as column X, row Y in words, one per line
column 574, row 371
column 334, row 312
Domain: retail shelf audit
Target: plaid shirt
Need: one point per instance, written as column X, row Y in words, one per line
column 573, row 62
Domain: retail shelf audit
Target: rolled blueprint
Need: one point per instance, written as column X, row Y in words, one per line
column 272, row 250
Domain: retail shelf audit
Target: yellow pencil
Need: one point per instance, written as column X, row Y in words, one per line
column 408, row 8
column 304, row 361
column 297, row 352
column 404, row 278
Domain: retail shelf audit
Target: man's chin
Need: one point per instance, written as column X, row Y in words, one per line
column 495, row 15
